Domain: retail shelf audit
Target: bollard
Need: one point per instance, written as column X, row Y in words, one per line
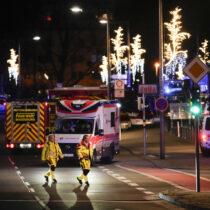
column 178, row 129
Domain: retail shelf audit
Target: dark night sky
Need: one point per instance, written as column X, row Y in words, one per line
column 23, row 18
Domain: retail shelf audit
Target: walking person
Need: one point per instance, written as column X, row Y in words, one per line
column 51, row 153
column 85, row 154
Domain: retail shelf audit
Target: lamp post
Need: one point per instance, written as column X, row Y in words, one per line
column 162, row 133
column 105, row 20
column 108, row 54
column 36, row 38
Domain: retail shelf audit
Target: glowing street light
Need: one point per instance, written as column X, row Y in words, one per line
column 157, row 65
column 36, row 38
column 76, row 9
column 46, row 76
column 105, row 20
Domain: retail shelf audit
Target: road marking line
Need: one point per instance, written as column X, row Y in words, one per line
column 153, row 177
column 41, row 203
column 148, row 193
column 27, row 183
column 125, row 180
column 140, row 188
column 22, row 177
column 121, row 177
column 105, row 169
column 115, row 174
column 32, row 189
column 18, row 172
column 133, row 184
column 110, row 172
column 16, row 168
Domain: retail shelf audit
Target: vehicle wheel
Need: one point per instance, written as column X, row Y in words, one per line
column 112, row 151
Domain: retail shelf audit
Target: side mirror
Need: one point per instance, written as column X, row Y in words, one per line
column 101, row 132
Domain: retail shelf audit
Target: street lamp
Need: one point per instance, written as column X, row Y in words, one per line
column 36, row 38
column 76, row 9
column 104, row 20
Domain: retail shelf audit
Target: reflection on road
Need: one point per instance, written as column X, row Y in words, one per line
column 55, row 201
column 83, row 202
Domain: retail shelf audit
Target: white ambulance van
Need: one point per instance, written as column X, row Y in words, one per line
column 100, row 119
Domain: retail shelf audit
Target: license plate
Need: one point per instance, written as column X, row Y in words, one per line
column 68, row 155
column 25, row 146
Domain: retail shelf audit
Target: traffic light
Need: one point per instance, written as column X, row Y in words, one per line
column 195, row 102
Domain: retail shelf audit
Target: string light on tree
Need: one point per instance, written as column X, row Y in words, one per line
column 14, row 67
column 137, row 63
column 104, row 72
column 118, row 61
column 175, row 57
column 204, row 50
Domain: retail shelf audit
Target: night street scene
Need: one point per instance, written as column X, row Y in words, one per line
column 105, row 105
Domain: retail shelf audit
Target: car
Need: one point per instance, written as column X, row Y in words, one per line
column 125, row 122
column 204, row 137
column 137, row 117
column 2, row 105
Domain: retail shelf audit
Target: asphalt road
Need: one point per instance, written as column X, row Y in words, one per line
column 129, row 182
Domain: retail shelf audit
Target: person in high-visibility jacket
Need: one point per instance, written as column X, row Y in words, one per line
column 85, row 154
column 51, row 153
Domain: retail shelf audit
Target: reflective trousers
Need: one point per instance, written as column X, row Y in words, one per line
column 52, row 166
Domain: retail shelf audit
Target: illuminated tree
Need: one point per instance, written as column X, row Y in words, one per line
column 175, row 57
column 118, row 61
column 204, row 56
column 104, row 72
column 137, row 63
column 14, row 67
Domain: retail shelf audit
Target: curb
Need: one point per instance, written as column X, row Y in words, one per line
column 181, row 204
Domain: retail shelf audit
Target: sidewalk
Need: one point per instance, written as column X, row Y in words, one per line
column 187, row 199
column 179, row 154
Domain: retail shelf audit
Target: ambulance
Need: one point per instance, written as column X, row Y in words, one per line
column 26, row 123
column 84, row 112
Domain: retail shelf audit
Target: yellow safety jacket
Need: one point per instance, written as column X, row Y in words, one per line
column 85, row 154
column 51, row 152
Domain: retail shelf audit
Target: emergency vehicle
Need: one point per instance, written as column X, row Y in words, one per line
column 83, row 112
column 204, row 137
column 26, row 123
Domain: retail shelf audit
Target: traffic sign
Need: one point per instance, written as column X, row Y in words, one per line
column 196, row 70
column 148, row 89
column 119, row 84
column 119, row 93
column 161, row 104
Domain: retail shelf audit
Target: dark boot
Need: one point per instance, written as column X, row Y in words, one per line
column 46, row 178
column 79, row 180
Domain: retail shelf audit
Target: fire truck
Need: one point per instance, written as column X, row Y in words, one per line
column 85, row 110
column 26, row 123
